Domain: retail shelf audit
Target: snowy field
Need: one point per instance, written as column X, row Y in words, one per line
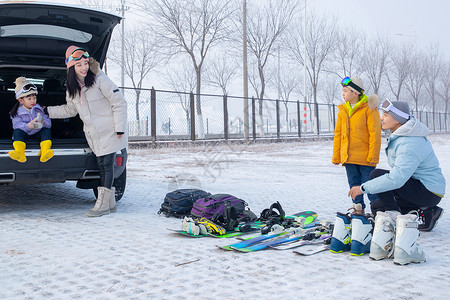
column 50, row 250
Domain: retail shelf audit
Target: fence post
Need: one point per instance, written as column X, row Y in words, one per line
column 316, row 105
column 334, row 115
column 253, row 118
column 153, row 114
column 225, row 117
column 146, row 126
column 299, row 122
column 192, row 104
column 278, row 118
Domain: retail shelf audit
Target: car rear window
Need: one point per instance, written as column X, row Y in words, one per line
column 45, row 31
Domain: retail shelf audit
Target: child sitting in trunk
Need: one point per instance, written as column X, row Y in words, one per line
column 29, row 122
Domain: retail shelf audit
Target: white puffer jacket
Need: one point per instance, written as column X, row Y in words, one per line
column 103, row 112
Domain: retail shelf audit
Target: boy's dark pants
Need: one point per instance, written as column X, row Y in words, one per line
column 357, row 175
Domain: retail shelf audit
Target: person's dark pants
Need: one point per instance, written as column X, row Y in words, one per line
column 411, row 196
column 106, row 169
column 357, row 175
column 42, row 135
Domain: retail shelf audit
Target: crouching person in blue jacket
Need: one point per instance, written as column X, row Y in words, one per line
column 413, row 187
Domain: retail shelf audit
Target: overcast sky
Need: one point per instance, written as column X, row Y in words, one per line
column 422, row 22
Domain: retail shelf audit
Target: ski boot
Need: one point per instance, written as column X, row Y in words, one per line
column 406, row 248
column 429, row 217
column 188, row 225
column 362, row 228
column 341, row 239
column 382, row 245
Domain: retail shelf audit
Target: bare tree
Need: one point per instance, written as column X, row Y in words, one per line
column 433, row 69
column 189, row 27
column 347, row 53
column 183, row 79
column 266, row 25
column 105, row 5
column 320, row 41
column 287, row 84
column 221, row 71
column 375, row 61
column 141, row 58
column 401, row 66
column 443, row 90
column 414, row 81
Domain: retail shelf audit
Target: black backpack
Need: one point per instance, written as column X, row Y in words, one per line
column 179, row 202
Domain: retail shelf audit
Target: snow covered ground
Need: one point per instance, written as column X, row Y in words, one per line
column 49, row 249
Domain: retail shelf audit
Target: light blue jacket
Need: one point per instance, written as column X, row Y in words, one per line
column 409, row 154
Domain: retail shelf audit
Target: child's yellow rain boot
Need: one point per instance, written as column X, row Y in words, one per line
column 46, row 153
column 19, row 152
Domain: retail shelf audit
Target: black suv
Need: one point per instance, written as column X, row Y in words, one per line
column 33, row 41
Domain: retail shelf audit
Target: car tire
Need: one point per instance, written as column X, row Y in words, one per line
column 119, row 183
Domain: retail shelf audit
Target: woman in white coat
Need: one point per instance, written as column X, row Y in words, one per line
column 103, row 110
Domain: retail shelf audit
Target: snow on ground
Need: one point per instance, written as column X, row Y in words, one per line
column 49, row 249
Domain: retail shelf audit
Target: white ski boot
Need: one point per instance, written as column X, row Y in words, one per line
column 406, row 249
column 382, row 245
column 341, row 239
column 362, row 228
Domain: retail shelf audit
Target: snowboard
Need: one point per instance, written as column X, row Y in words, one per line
column 304, row 217
column 254, row 226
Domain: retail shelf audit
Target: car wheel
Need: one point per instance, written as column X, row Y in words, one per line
column 119, row 183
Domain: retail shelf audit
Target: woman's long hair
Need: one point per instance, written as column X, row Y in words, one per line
column 72, row 84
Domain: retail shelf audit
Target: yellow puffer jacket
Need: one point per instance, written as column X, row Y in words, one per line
column 357, row 135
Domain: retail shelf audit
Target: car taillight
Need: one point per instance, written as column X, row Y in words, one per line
column 119, row 161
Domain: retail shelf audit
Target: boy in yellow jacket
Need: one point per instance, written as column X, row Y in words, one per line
column 357, row 136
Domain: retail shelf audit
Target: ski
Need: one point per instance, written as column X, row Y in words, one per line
column 311, row 249
column 311, row 225
column 249, row 242
column 261, row 242
column 299, row 243
column 297, row 235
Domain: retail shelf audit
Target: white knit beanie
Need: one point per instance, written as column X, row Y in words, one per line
column 356, row 80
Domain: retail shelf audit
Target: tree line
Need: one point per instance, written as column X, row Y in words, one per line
column 196, row 45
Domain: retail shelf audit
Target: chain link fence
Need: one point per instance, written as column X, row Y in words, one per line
column 167, row 115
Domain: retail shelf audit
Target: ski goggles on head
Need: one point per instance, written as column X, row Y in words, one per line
column 26, row 88
column 77, row 54
column 388, row 106
column 348, row 82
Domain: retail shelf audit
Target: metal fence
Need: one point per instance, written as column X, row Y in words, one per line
column 167, row 115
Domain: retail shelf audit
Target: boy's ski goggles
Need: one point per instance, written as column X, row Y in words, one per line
column 348, row 82
column 388, row 106
column 77, row 54
column 26, row 88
